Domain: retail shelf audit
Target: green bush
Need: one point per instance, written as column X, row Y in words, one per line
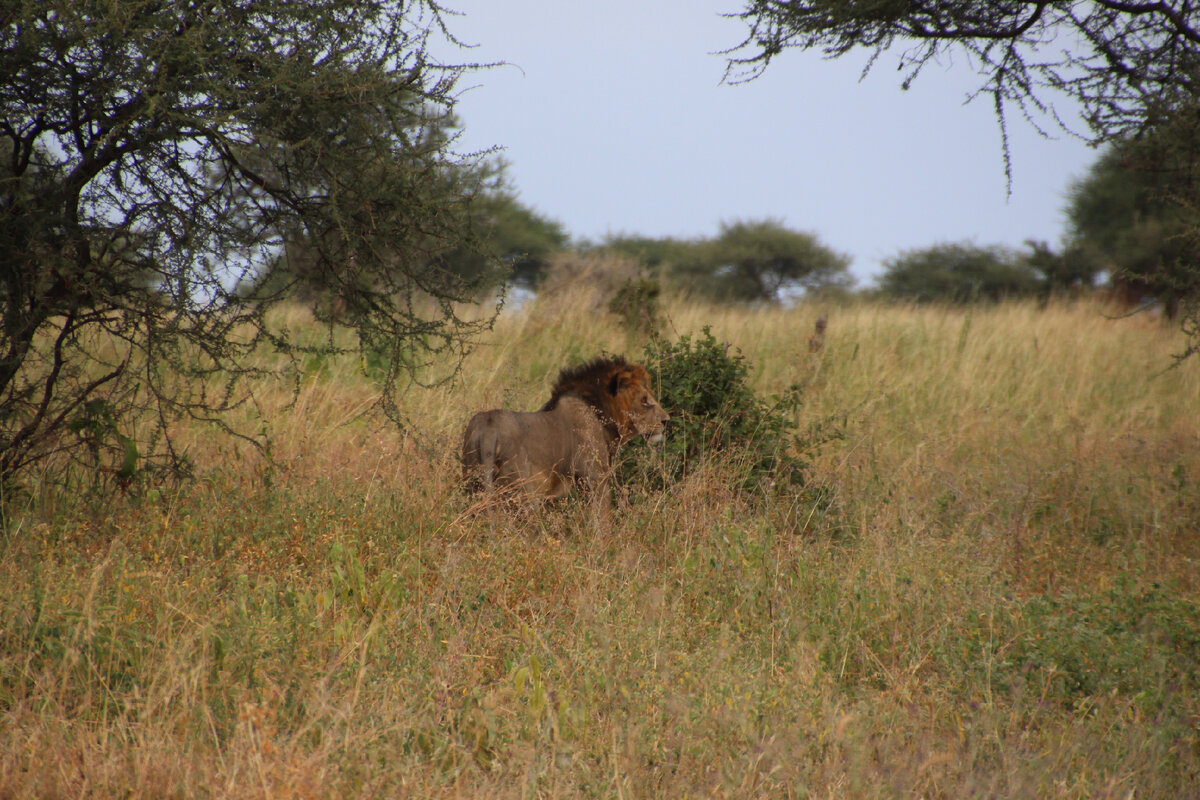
column 702, row 385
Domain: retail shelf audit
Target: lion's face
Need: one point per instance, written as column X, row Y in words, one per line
column 635, row 407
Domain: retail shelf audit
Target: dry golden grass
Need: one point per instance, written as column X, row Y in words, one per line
column 988, row 588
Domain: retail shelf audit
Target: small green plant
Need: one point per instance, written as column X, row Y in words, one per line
column 1141, row 642
column 96, row 426
column 703, row 386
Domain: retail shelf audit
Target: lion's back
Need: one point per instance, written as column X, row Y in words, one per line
column 536, row 448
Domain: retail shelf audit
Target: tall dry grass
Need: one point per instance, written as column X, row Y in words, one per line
column 986, row 589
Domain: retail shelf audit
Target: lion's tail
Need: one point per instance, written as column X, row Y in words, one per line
column 487, row 459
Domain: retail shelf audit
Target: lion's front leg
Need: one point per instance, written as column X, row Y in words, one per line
column 600, row 503
column 593, row 474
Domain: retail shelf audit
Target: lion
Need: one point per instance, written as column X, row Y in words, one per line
column 593, row 410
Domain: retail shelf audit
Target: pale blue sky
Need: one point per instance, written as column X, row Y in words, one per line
column 614, row 119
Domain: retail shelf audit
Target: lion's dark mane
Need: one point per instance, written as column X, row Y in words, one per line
column 589, row 381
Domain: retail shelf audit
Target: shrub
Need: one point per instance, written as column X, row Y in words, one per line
column 702, row 385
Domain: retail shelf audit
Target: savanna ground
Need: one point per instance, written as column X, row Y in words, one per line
column 988, row 587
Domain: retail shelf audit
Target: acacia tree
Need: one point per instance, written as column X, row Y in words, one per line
column 1123, row 215
column 157, row 154
column 513, row 234
column 756, row 260
column 959, row 273
column 1127, row 64
column 1134, row 215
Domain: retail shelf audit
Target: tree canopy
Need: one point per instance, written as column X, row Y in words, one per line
column 1134, row 214
column 1127, row 64
column 507, row 242
column 959, row 273
column 655, row 254
column 155, row 155
column 757, row 261
column 512, row 234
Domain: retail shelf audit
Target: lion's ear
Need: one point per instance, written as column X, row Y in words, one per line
column 615, row 384
column 621, row 380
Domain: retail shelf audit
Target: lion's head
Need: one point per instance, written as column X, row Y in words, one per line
column 620, row 391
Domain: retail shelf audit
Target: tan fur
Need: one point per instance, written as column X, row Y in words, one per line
column 593, row 410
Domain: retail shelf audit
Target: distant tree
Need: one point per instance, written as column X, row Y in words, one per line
column 1134, row 215
column 1061, row 274
column 512, row 234
column 757, row 261
column 155, row 155
column 1172, row 149
column 958, row 273
column 508, row 241
column 657, row 255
